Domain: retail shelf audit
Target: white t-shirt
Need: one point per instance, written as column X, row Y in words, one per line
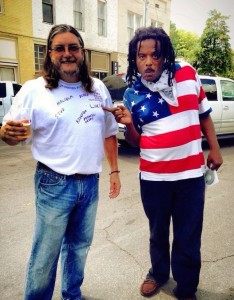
column 68, row 124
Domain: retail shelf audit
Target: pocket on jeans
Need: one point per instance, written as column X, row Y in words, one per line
column 48, row 185
column 50, row 179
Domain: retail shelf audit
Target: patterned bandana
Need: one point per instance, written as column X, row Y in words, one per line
column 161, row 86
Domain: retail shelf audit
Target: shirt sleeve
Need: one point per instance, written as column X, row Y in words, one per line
column 204, row 106
column 111, row 126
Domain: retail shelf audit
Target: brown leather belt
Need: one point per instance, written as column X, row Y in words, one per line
column 75, row 176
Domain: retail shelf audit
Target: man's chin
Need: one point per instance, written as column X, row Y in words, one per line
column 70, row 73
column 149, row 77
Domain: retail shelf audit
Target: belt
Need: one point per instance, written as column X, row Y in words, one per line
column 75, row 176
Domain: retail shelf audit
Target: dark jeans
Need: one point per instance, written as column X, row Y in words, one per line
column 183, row 201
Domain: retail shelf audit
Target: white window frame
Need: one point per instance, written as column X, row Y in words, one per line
column 78, row 14
column 155, row 23
column 101, row 17
column 134, row 22
column 39, row 54
column 8, row 72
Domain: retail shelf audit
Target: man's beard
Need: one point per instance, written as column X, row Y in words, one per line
column 70, row 73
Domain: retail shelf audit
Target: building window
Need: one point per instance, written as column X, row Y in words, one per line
column 134, row 22
column 130, row 25
column 153, row 23
column 47, row 11
column 101, row 18
column 99, row 75
column 7, row 73
column 156, row 24
column 39, row 54
column 138, row 21
column 100, row 63
column 78, row 14
column 1, row 6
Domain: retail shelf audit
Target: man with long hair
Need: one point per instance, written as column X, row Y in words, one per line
column 70, row 133
column 165, row 109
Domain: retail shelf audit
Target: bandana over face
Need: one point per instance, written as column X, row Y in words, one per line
column 161, row 86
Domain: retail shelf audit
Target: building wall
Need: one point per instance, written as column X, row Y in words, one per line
column 115, row 44
column 16, row 33
column 22, row 25
column 159, row 14
column 64, row 14
column 97, row 46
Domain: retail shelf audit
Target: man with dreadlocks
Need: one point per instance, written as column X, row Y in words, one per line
column 70, row 132
column 165, row 109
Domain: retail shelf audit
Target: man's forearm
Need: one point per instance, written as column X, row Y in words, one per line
column 209, row 133
column 111, row 150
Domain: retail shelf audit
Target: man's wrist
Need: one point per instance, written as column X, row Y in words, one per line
column 115, row 171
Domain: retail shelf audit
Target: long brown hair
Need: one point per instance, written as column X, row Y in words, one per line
column 50, row 74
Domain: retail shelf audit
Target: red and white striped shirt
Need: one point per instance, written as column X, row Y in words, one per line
column 170, row 140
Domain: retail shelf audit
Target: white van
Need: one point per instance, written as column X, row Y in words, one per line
column 8, row 90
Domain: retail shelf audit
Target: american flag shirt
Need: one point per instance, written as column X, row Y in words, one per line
column 170, row 142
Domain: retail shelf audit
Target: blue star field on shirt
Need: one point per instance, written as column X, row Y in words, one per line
column 146, row 106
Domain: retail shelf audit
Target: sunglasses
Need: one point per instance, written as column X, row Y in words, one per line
column 71, row 48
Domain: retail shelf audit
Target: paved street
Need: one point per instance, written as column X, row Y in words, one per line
column 119, row 258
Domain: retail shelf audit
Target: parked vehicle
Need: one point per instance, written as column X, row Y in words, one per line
column 219, row 92
column 8, row 90
column 116, row 85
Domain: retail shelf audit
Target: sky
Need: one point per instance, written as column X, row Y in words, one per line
column 191, row 15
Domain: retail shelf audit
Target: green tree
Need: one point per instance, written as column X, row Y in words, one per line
column 186, row 44
column 174, row 36
column 230, row 72
column 215, row 55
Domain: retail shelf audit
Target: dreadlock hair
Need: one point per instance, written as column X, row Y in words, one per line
column 50, row 73
column 159, row 35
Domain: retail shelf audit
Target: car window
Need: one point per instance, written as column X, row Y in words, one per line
column 227, row 88
column 210, row 89
column 16, row 88
column 2, row 90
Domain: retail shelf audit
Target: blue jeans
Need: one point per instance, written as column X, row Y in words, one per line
column 65, row 217
column 183, row 202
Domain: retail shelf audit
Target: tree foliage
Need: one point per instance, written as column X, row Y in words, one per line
column 215, row 55
column 186, row 44
column 210, row 54
column 174, row 36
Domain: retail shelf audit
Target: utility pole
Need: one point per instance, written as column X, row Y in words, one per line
column 145, row 11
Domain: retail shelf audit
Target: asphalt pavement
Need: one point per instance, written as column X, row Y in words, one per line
column 119, row 258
